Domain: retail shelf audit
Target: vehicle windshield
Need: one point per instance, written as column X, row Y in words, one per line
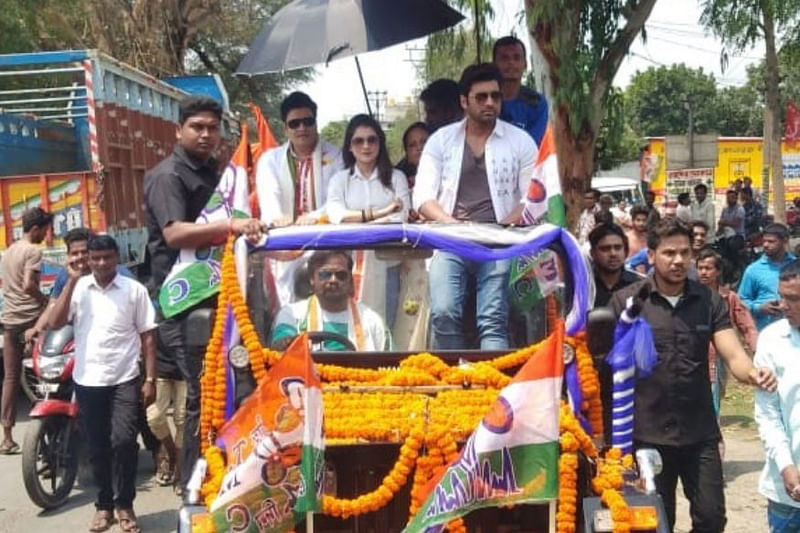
column 403, row 288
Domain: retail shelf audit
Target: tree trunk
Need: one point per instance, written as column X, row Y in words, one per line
column 772, row 105
column 575, row 164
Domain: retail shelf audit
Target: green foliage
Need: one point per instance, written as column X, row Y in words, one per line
column 333, row 132
column 739, row 112
column 617, row 142
column 449, row 51
column 218, row 40
column 655, row 100
column 739, row 22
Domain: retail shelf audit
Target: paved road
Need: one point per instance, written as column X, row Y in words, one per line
column 156, row 506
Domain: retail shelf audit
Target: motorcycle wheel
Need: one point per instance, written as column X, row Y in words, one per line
column 50, row 460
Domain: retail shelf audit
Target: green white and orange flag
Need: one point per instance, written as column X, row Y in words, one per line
column 512, row 456
column 195, row 276
column 544, row 202
column 275, row 450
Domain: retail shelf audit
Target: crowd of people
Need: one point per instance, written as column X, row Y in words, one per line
column 469, row 162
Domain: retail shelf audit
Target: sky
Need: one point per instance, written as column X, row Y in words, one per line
column 674, row 35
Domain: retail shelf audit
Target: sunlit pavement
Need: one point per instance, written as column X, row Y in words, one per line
column 155, row 506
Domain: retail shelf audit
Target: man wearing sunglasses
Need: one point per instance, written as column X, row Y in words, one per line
column 292, row 179
column 332, row 308
column 522, row 106
column 476, row 170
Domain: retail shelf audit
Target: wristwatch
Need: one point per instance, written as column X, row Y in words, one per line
column 150, row 380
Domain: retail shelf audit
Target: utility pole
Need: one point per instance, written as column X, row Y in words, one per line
column 379, row 97
column 690, row 105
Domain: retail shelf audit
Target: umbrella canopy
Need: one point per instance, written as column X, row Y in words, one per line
column 308, row 32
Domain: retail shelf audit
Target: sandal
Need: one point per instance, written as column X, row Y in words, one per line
column 102, row 521
column 164, row 473
column 9, row 448
column 127, row 521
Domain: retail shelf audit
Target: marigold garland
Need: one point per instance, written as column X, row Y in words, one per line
column 393, row 482
column 398, row 417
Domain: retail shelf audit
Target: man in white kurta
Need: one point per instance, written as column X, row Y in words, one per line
column 292, row 180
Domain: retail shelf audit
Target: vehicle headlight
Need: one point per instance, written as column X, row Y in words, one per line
column 51, row 367
column 238, row 357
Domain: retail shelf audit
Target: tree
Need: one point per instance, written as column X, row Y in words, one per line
column 617, row 142
column 654, row 100
column 449, row 51
column 741, row 24
column 160, row 37
column 333, row 132
column 739, row 112
column 579, row 46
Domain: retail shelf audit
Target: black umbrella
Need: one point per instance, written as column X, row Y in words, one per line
column 308, row 32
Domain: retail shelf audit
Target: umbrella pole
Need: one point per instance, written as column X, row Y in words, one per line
column 363, row 87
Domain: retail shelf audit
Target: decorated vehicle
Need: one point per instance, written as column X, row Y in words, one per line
column 406, row 440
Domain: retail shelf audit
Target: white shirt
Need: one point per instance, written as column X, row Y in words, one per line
column 276, row 190
column 108, row 322
column 293, row 319
column 510, row 157
column 351, row 190
column 778, row 413
column 705, row 212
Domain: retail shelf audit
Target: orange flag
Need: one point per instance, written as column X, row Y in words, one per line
column 266, row 141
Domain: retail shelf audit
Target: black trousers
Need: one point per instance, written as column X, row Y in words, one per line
column 190, row 363
column 110, row 417
column 699, row 467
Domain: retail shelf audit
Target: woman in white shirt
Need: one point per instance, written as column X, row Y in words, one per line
column 370, row 190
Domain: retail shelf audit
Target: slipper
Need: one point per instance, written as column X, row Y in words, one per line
column 102, row 521
column 127, row 521
column 164, row 472
column 9, row 448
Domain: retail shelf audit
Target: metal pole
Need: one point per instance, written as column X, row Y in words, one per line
column 691, row 136
column 363, row 86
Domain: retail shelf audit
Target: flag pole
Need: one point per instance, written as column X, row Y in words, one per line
column 310, row 522
column 551, row 517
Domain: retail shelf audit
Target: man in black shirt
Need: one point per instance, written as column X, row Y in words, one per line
column 609, row 248
column 674, row 412
column 175, row 192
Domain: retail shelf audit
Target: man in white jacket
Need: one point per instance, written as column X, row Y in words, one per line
column 292, row 179
column 476, row 170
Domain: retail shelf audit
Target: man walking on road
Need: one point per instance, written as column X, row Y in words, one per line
column 703, row 207
column 175, row 192
column 114, row 323
column 23, row 302
column 674, row 412
column 778, row 413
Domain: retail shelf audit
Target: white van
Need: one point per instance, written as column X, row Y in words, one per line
column 619, row 187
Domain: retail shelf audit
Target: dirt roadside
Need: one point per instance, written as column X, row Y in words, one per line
column 744, row 458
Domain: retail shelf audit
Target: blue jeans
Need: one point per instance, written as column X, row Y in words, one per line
column 448, row 281
column 783, row 518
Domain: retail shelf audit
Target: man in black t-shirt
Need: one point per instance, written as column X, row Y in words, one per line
column 673, row 409
column 175, row 192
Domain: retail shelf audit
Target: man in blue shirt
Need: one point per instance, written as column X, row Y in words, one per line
column 522, row 106
column 759, row 286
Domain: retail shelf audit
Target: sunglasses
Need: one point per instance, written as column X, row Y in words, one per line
column 361, row 141
column 307, row 122
column 341, row 275
column 481, row 98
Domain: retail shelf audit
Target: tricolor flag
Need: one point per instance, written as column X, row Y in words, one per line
column 275, row 450
column 512, row 457
column 544, row 202
column 196, row 273
column 266, row 142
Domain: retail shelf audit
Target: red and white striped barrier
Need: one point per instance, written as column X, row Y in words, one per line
column 93, row 146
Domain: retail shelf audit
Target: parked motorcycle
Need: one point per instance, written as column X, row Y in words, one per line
column 51, row 447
